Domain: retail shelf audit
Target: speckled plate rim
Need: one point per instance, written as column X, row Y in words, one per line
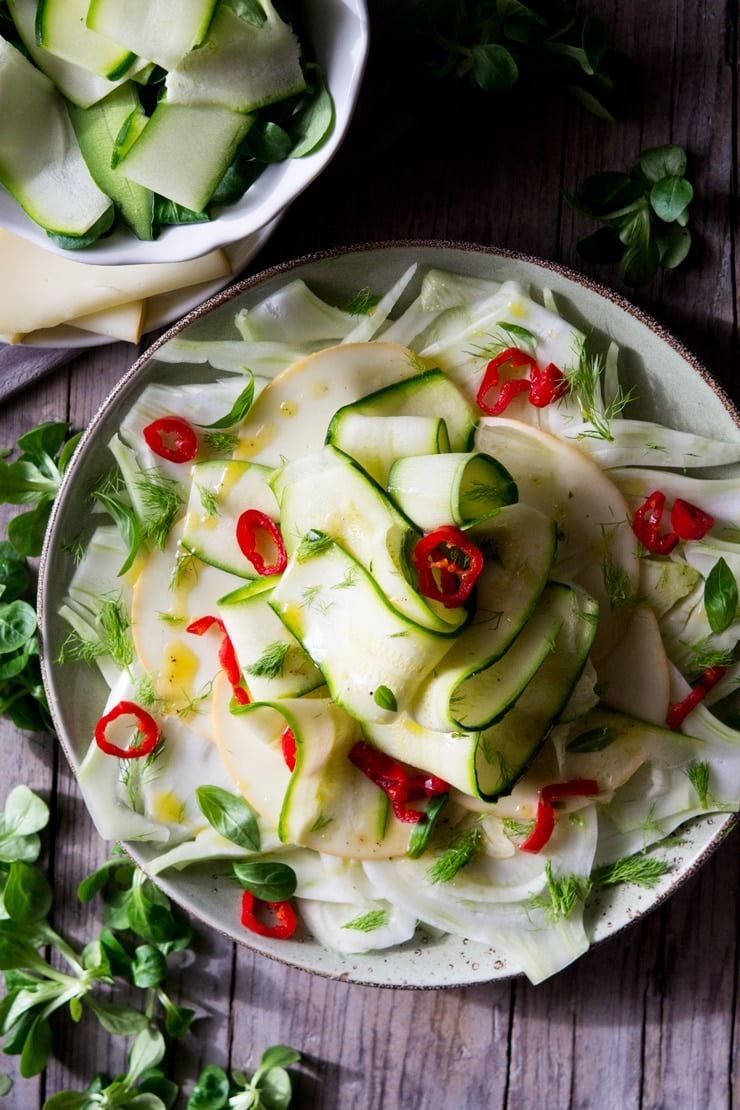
column 426, row 962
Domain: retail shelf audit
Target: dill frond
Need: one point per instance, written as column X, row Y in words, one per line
column 640, row 870
column 272, row 661
column 367, row 922
column 465, row 846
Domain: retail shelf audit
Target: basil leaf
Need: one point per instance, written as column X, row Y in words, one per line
column 720, row 596
column 266, row 879
column 423, row 829
column 238, row 410
column 593, row 740
column 230, row 816
column 518, row 332
column 385, row 698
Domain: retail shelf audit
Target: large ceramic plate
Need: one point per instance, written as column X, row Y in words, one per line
column 671, row 386
column 338, row 30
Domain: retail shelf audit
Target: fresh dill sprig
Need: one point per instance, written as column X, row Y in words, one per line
column 113, row 637
column 221, row 443
column 515, row 828
column 561, row 895
column 208, row 500
column 162, row 502
column 619, row 588
column 362, row 302
column 639, row 870
column 465, row 846
column 368, row 922
column 272, row 661
column 115, row 625
column 584, row 380
column 703, row 655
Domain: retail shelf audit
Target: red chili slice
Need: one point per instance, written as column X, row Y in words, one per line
column 395, row 780
column 544, row 822
column 146, row 727
column 284, row 917
column 172, row 438
column 226, row 654
column 514, row 358
column 680, row 711
column 646, row 525
column 547, row 385
column 256, row 531
column 448, row 565
column 288, row 746
column 690, row 522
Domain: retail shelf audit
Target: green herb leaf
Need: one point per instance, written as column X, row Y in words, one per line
column 230, row 815
column 385, row 698
column 592, row 740
column 266, row 879
column 27, row 896
column 211, row 1092
column 422, row 830
column 368, row 922
column 720, row 596
column 238, row 410
column 644, row 212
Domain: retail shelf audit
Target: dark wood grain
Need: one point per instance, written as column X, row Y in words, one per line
column 648, row 1019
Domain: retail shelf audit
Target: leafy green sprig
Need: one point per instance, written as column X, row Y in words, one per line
column 33, row 478
column 496, row 46
column 140, row 930
column 22, row 696
column 644, row 215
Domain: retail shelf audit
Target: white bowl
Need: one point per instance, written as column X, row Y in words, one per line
column 338, row 30
column 673, row 386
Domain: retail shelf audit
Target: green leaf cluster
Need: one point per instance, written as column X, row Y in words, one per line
column 269, row 1088
column 643, row 214
column 33, row 478
column 22, row 696
column 140, row 930
column 496, row 46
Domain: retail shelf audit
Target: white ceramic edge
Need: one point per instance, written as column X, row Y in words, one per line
column 339, row 30
column 425, row 963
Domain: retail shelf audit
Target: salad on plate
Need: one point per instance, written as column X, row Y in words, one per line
column 409, row 627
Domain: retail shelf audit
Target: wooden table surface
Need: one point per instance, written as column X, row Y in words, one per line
column 648, row 1019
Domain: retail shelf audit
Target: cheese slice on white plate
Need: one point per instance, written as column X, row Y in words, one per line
column 39, row 289
column 123, row 321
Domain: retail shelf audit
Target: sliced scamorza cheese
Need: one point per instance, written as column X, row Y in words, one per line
column 47, row 289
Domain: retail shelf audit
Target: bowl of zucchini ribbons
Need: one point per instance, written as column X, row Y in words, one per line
column 134, row 137
column 398, row 639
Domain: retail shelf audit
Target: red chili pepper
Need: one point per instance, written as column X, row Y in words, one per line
column 255, row 529
column 226, row 654
column 288, row 745
column 394, row 779
column 285, row 920
column 448, row 565
column 547, row 385
column 146, row 727
column 516, row 359
column 646, row 525
column 680, row 711
column 544, row 822
column 172, row 438
column 688, row 521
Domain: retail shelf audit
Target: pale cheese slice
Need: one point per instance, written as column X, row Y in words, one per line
column 123, row 321
column 39, row 289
